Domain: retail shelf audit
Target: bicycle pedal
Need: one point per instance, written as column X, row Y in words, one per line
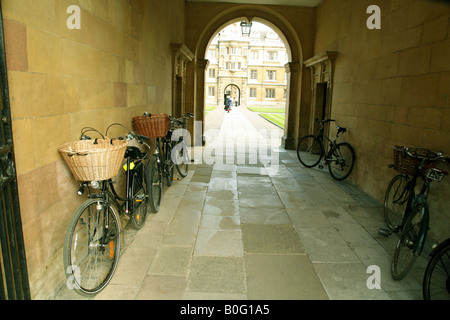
column 320, row 166
column 385, row 232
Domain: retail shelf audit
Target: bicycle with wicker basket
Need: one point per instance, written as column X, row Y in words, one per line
column 405, row 212
column 167, row 155
column 93, row 238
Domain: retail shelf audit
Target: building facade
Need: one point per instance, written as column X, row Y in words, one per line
column 251, row 70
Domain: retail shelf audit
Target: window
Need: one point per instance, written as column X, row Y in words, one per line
column 233, row 65
column 253, row 74
column 272, row 55
column 212, row 73
column 254, row 54
column 271, row 75
column 252, row 93
column 270, row 93
column 212, row 54
column 211, row 91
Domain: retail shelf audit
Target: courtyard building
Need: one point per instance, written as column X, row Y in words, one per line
column 251, row 69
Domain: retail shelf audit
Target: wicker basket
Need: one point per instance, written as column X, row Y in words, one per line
column 155, row 126
column 94, row 160
column 409, row 165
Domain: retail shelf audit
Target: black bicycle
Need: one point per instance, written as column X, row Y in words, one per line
column 436, row 281
column 170, row 153
column 405, row 212
column 340, row 157
column 92, row 243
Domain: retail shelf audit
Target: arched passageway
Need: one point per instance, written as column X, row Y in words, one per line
column 234, row 92
column 296, row 92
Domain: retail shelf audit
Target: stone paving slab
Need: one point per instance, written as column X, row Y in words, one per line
column 282, row 277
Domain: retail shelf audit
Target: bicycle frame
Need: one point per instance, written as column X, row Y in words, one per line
column 109, row 193
column 331, row 143
column 421, row 199
column 162, row 146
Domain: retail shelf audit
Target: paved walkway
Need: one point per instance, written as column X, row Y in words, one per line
column 249, row 222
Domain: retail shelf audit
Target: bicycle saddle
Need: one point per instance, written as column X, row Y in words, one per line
column 132, row 152
column 341, row 129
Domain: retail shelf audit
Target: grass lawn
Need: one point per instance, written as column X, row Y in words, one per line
column 267, row 110
column 277, row 119
column 209, row 108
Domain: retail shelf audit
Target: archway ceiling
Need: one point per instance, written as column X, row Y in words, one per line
column 300, row 3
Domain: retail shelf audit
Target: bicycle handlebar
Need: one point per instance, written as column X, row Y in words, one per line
column 439, row 156
column 324, row 120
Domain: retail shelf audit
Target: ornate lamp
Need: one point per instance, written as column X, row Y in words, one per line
column 246, row 28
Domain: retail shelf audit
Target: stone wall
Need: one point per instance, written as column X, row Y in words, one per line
column 113, row 68
column 391, row 87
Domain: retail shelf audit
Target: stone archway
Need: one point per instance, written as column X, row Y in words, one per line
column 296, row 92
column 234, row 91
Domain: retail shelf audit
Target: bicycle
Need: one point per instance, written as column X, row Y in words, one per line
column 413, row 224
column 180, row 155
column 340, row 157
column 436, row 280
column 92, row 243
column 168, row 156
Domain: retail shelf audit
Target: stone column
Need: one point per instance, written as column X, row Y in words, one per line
column 289, row 139
column 201, row 66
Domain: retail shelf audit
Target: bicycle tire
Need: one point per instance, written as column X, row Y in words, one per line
column 409, row 244
column 90, row 273
column 309, row 151
column 155, row 183
column 396, row 200
column 181, row 159
column 168, row 164
column 342, row 160
column 140, row 197
column 436, row 280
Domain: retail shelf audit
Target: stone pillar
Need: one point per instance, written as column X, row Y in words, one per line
column 289, row 140
column 199, row 108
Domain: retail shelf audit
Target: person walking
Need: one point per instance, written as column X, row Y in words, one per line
column 227, row 103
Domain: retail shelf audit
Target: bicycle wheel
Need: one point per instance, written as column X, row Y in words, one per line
column 140, row 197
column 91, row 247
column 395, row 201
column 309, row 151
column 155, row 183
column 168, row 163
column 341, row 160
column 411, row 239
column 436, row 281
column 181, row 159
